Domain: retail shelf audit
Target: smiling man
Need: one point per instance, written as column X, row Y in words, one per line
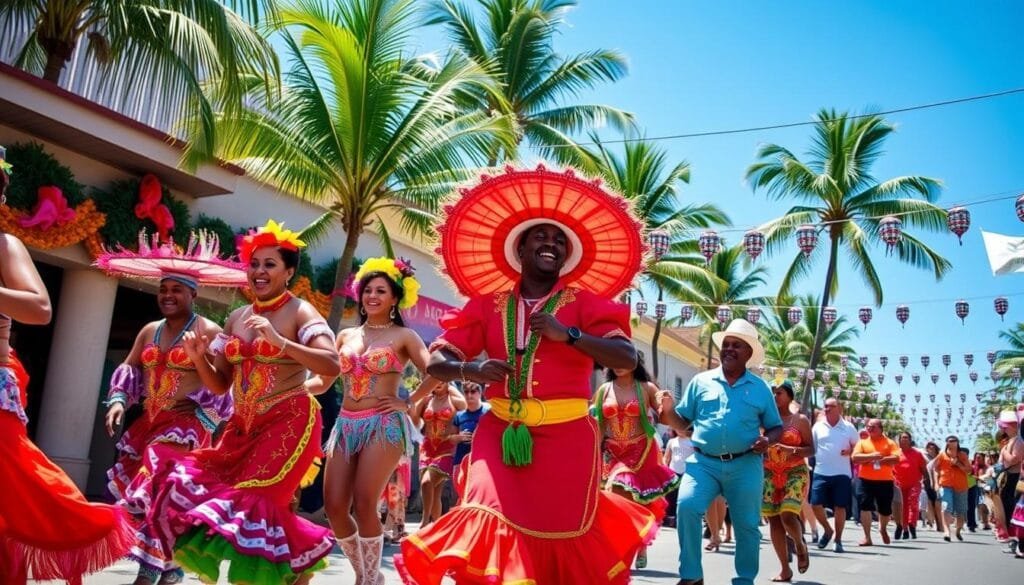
column 178, row 410
column 727, row 408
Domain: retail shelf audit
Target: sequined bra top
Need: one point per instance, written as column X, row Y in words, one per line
column 359, row 372
column 435, row 422
column 623, row 422
column 255, row 376
column 165, row 370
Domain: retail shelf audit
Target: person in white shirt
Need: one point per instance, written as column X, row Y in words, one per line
column 677, row 450
column 832, row 484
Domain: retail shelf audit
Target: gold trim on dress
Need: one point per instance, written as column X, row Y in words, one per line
column 295, row 456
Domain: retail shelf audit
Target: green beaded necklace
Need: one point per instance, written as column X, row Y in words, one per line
column 516, row 441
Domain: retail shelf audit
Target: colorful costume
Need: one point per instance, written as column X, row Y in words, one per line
column 46, row 525
column 547, row 521
column 231, row 502
column 632, row 458
column 786, row 476
column 354, row 429
column 437, row 452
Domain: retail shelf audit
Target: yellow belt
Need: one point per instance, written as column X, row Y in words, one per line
column 537, row 412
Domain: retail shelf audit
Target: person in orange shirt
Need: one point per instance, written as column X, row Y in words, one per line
column 950, row 474
column 876, row 455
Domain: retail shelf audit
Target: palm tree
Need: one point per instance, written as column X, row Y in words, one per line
column 643, row 175
column 361, row 128
column 514, row 42
column 179, row 48
column 838, row 192
column 733, row 285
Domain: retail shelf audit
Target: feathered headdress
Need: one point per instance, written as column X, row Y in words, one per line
column 272, row 234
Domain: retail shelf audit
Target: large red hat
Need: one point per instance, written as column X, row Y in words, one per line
column 481, row 229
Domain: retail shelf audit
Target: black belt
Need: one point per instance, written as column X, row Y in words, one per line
column 724, row 456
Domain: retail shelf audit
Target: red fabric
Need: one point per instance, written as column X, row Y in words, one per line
column 911, row 498
column 46, row 525
column 547, row 522
column 908, row 470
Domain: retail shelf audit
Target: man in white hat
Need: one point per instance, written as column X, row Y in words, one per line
column 727, row 408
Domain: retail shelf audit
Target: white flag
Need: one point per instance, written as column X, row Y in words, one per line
column 1005, row 253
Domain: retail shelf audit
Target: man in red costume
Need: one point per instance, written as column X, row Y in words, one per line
column 533, row 511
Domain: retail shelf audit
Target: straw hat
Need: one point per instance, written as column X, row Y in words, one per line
column 742, row 329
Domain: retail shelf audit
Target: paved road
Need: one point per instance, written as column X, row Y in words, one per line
column 926, row 560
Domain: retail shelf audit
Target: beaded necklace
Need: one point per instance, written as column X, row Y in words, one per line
column 259, row 307
column 516, row 441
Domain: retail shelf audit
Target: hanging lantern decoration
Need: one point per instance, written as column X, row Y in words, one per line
column 962, row 308
column 947, row 398
column 660, row 310
column 946, row 360
column 931, row 398
column 1002, row 305
column 685, row 313
column 795, row 315
column 991, row 357
column 863, row 361
column 925, row 360
column 1015, row 372
column 979, row 396
column 844, row 360
column 658, row 240
column 902, row 314
column 959, row 221
column 1020, row 208
column 753, row 242
column 864, row 314
column 753, row 315
column 917, row 398
column 884, row 360
column 724, row 314
column 890, row 229
column 974, row 377
column 641, row 308
column 995, row 375
column 842, row 378
column 953, row 377
column 916, row 378
column 709, row 244
column 903, row 398
column 904, row 360
column 899, row 378
column 809, row 374
column 969, row 359
column 881, row 378
column 806, row 239
column 935, row 378
column 829, row 315
column 826, row 375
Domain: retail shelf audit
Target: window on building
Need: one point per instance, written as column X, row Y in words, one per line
column 678, row 388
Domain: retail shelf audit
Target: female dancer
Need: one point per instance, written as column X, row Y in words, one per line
column 46, row 525
column 633, row 470
column 232, row 502
column 785, row 483
column 437, row 452
column 372, row 432
column 541, row 255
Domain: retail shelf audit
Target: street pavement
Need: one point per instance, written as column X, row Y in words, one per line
column 926, row 560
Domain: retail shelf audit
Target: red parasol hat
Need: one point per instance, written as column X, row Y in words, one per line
column 198, row 263
column 481, row 230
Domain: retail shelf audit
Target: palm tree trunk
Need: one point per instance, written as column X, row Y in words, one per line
column 819, row 334
column 654, row 340
column 711, row 345
column 58, row 53
column 352, row 232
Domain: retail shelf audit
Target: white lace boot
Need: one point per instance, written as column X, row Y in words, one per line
column 370, row 551
column 350, row 546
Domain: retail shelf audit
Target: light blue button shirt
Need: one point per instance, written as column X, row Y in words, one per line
column 728, row 419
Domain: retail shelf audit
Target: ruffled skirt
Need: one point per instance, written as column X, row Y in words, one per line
column 437, row 454
column 177, row 426
column 545, row 523
column 46, row 526
column 634, row 465
column 232, row 502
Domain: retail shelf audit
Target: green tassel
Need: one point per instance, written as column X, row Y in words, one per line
column 517, row 445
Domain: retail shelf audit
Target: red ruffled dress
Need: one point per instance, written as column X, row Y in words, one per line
column 232, row 501
column 437, row 452
column 547, row 522
column 46, row 526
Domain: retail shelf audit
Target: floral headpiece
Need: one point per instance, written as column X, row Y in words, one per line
column 272, row 234
column 400, row 271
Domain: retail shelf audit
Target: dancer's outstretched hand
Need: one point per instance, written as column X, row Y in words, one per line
column 115, row 415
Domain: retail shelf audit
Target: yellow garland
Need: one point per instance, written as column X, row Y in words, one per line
column 410, row 286
column 282, row 235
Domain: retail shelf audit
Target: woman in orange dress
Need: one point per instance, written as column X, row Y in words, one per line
column 47, row 528
column 540, row 278
column 232, row 502
column 633, row 466
column 786, row 478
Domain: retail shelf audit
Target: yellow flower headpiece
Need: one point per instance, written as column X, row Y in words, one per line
column 400, row 271
column 272, row 234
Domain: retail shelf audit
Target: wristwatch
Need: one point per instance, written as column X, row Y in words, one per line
column 574, row 334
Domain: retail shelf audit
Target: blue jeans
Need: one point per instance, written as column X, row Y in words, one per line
column 741, row 481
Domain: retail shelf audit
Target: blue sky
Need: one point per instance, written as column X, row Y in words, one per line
column 699, row 66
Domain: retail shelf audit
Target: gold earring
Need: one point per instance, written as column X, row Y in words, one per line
column 393, row 311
